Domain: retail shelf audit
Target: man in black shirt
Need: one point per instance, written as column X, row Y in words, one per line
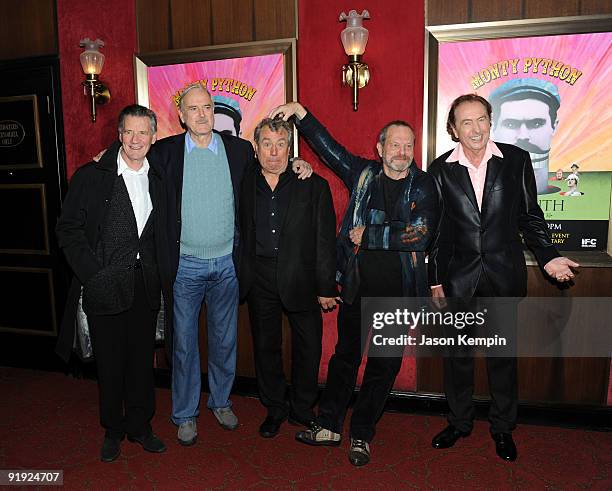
column 386, row 231
column 287, row 263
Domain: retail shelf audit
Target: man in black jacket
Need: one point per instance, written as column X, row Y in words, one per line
column 386, row 231
column 490, row 200
column 287, row 264
column 112, row 231
column 204, row 171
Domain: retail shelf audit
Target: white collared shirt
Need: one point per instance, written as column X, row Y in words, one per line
column 137, row 184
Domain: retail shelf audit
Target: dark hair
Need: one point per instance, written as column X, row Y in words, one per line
column 552, row 103
column 139, row 112
column 451, row 123
column 222, row 108
column 382, row 135
column 275, row 124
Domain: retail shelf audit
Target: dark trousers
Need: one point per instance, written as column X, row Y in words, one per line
column 123, row 346
column 265, row 311
column 378, row 379
column 501, row 370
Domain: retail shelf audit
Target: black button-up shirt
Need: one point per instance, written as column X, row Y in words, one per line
column 271, row 207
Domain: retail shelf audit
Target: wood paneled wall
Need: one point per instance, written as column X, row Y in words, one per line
column 439, row 12
column 558, row 380
column 27, row 28
column 176, row 24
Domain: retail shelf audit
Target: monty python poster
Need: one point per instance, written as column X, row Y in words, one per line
column 550, row 96
column 244, row 90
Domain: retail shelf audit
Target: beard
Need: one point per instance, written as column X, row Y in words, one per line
column 398, row 165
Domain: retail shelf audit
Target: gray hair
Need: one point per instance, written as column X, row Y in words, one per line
column 275, row 124
column 189, row 88
column 139, row 112
column 382, row 136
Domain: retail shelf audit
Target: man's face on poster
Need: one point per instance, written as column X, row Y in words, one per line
column 525, row 123
column 225, row 124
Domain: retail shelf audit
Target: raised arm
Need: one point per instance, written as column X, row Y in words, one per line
column 345, row 164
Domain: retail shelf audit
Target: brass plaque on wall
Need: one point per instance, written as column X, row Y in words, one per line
column 19, row 133
column 28, row 303
column 23, row 219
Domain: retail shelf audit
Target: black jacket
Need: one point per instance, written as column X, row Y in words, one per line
column 471, row 242
column 419, row 206
column 80, row 225
column 171, row 153
column 306, row 252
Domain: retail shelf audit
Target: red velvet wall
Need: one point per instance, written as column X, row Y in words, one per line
column 113, row 21
column 395, row 57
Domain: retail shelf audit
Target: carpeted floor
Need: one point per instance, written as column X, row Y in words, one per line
column 50, row 421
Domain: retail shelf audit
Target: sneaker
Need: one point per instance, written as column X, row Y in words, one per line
column 226, row 417
column 317, row 435
column 359, row 453
column 187, row 433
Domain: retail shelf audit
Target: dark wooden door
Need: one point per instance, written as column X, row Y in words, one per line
column 32, row 181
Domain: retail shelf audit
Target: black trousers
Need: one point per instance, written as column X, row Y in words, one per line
column 501, row 370
column 378, row 379
column 123, row 346
column 265, row 312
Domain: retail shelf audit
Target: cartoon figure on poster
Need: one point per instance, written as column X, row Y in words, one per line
column 228, row 115
column 525, row 115
column 572, row 186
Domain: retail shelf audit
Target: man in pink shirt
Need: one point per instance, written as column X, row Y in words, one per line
column 490, row 201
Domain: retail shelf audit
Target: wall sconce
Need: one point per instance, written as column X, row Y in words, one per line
column 354, row 39
column 92, row 62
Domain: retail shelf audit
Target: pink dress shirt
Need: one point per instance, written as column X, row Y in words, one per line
column 477, row 174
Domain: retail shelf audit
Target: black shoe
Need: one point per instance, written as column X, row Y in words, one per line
column 149, row 442
column 504, row 446
column 270, row 427
column 448, row 437
column 359, row 453
column 111, row 448
column 297, row 421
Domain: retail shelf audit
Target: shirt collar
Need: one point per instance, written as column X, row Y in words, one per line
column 213, row 146
column 123, row 167
column 458, row 155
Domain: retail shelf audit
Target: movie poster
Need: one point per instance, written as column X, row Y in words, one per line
column 244, row 90
column 551, row 96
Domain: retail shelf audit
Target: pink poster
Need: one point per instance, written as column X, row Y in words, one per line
column 244, row 90
column 550, row 96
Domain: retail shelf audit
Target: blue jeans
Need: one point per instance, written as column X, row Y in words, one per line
column 214, row 281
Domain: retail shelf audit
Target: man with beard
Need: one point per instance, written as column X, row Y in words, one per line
column 525, row 115
column 388, row 226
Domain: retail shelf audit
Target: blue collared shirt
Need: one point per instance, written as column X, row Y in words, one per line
column 213, row 146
